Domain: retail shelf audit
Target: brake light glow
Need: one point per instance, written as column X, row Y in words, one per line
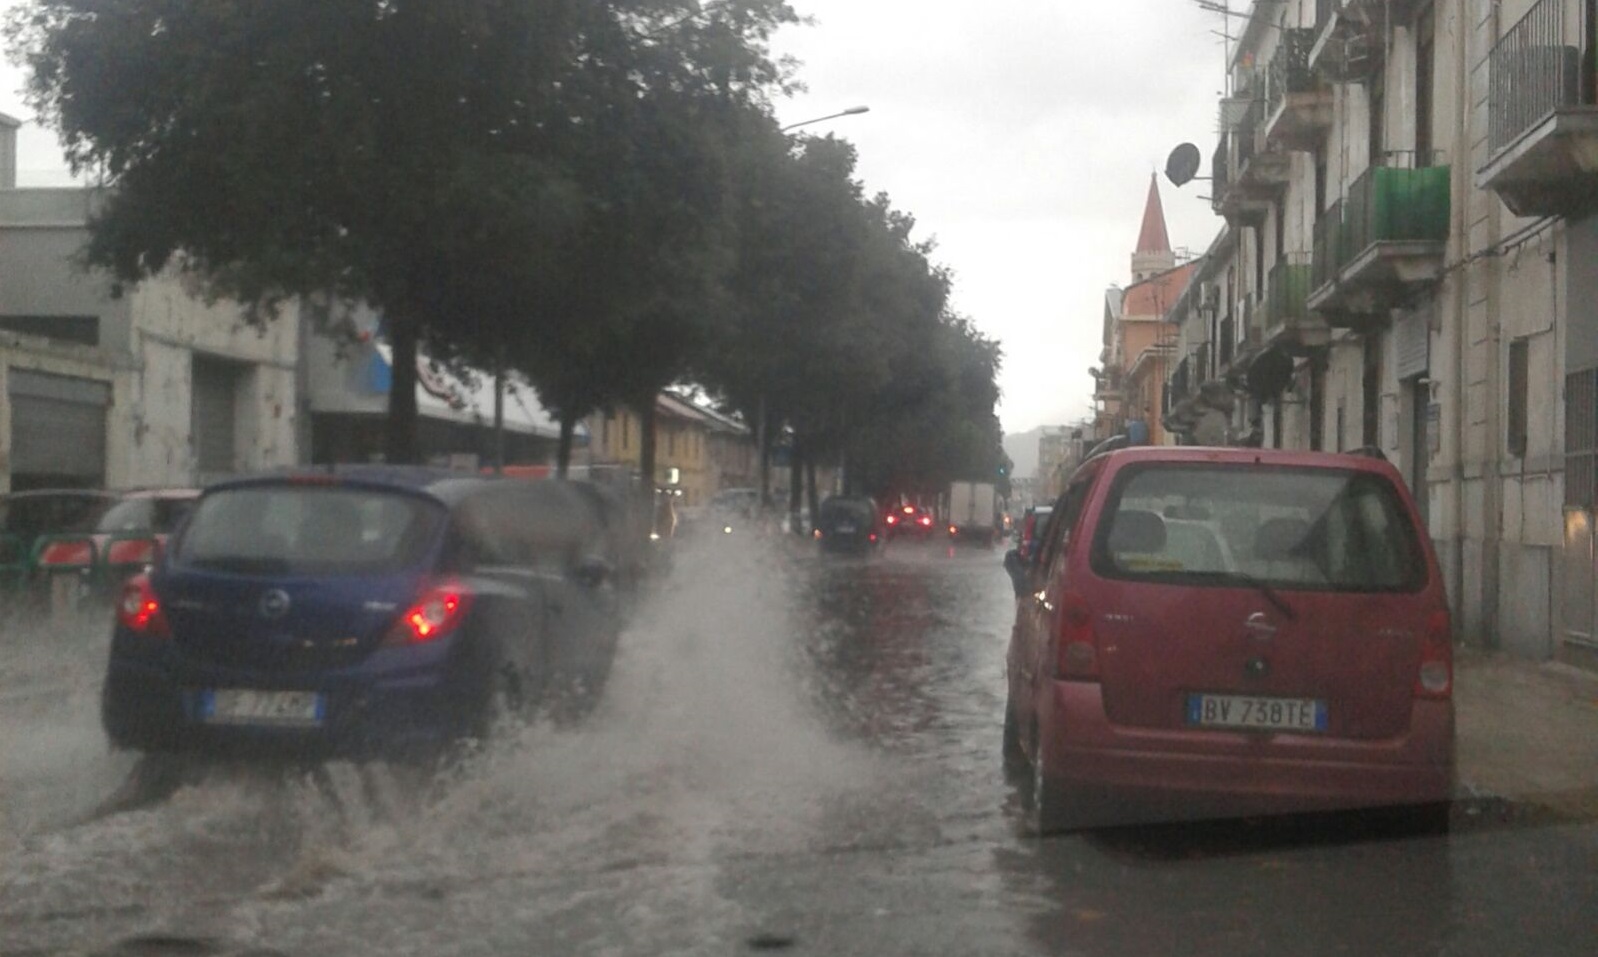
column 132, row 551
column 1077, row 654
column 77, row 551
column 926, row 520
column 139, row 610
column 893, row 519
column 953, row 530
column 439, row 611
column 1435, row 677
column 909, row 510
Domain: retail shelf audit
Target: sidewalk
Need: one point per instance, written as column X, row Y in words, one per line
column 1527, row 732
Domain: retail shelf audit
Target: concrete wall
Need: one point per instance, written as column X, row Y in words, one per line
column 173, row 324
column 148, row 339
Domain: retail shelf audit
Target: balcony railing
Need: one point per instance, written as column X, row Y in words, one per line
column 1289, row 71
column 1531, row 73
column 1288, row 289
column 1328, row 252
column 1384, row 205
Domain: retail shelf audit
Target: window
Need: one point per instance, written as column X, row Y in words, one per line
column 626, row 431
column 1371, row 408
column 84, row 330
column 1425, row 60
column 1518, row 387
column 1581, row 438
column 293, row 529
column 1307, row 529
column 604, row 432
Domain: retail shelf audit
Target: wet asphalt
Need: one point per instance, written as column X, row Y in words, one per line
column 795, row 753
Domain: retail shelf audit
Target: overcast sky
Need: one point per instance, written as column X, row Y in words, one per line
column 1021, row 133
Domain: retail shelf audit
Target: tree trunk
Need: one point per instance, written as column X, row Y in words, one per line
column 810, row 488
column 796, row 486
column 563, row 452
column 499, row 421
column 763, row 449
column 646, row 442
column 400, row 447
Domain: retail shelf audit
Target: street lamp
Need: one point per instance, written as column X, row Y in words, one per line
column 851, row 111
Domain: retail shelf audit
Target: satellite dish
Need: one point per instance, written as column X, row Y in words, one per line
column 1183, row 165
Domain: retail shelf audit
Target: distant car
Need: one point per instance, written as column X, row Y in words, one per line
column 29, row 523
column 1220, row 632
column 26, row 516
column 1033, row 523
column 849, row 524
column 370, row 610
column 909, row 521
column 733, row 511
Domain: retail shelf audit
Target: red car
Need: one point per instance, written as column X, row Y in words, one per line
column 908, row 521
column 1228, row 632
column 124, row 537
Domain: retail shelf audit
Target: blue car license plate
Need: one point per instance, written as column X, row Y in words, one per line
column 249, row 706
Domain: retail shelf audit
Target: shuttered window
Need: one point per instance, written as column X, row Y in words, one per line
column 1581, row 437
column 213, row 412
column 1519, row 388
column 58, row 428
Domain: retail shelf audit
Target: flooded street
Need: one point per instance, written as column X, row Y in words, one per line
column 792, row 754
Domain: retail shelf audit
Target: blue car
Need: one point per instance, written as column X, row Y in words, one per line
column 362, row 611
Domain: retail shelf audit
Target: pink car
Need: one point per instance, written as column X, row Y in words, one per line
column 1224, row 632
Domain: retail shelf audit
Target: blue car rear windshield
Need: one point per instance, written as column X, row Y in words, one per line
column 309, row 530
column 1312, row 529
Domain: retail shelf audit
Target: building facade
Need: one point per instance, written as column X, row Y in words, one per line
column 1409, row 189
column 150, row 387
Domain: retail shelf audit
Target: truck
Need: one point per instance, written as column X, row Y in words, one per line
column 973, row 512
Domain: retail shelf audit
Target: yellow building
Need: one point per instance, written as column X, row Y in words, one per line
column 682, row 445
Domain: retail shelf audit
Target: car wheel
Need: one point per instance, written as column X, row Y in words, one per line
column 1015, row 762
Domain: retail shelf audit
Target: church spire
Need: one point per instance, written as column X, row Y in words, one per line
column 1154, row 254
column 1153, row 238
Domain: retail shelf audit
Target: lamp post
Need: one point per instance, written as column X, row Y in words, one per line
column 851, row 111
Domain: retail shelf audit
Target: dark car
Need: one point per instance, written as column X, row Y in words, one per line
column 1219, row 632
column 362, row 611
column 25, row 516
column 848, row 524
column 909, row 521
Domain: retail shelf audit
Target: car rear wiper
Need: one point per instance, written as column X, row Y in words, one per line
column 1260, row 585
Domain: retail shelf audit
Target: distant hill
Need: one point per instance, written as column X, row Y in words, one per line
column 1022, row 448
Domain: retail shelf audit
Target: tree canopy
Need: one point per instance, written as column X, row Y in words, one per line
column 594, row 193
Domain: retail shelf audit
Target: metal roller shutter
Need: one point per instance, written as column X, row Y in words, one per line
column 214, row 409
column 58, row 428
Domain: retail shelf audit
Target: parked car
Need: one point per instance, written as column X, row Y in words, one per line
column 1218, row 632
column 367, row 610
column 25, row 516
column 909, row 521
column 849, row 524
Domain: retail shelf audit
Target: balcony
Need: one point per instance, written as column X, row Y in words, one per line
column 1542, row 119
column 1298, row 105
column 1248, row 174
column 1288, row 321
column 1346, row 47
column 1379, row 245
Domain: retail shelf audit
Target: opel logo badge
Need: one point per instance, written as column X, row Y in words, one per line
column 274, row 604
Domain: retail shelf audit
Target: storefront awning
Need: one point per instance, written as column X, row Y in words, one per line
column 442, row 395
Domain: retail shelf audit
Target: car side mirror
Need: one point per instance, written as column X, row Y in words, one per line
column 1017, row 570
column 594, row 571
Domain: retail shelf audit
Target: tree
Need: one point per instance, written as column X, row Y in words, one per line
column 391, row 152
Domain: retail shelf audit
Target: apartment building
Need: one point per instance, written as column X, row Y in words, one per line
column 1407, row 264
